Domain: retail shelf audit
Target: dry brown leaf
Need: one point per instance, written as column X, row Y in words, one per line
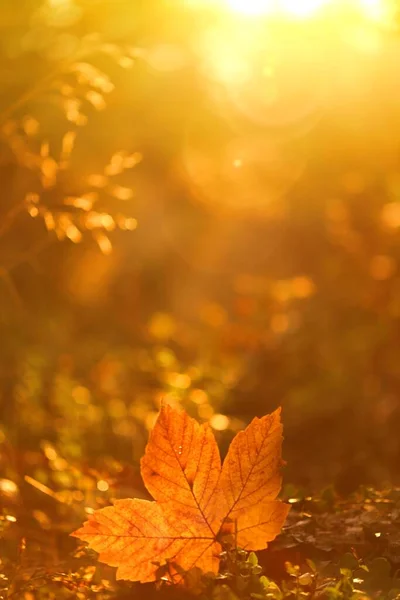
column 199, row 506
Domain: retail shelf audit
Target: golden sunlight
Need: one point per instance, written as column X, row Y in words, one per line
column 304, row 8
column 296, row 8
column 252, row 7
column 373, row 8
column 300, row 8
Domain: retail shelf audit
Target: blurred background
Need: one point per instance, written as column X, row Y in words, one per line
column 200, row 203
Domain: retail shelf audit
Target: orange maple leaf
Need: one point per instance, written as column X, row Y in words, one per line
column 197, row 504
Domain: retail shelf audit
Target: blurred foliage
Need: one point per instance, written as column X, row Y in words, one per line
column 329, row 549
column 246, row 176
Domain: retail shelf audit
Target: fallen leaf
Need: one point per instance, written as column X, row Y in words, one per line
column 198, row 506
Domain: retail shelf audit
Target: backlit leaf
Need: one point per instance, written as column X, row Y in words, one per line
column 197, row 504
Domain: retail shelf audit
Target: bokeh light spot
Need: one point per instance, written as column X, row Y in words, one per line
column 391, row 215
column 8, row 487
column 199, row 396
column 219, row 422
column 162, row 326
column 382, row 267
column 279, row 323
column 102, row 485
column 303, row 287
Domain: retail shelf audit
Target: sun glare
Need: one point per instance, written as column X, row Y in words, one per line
column 252, row 7
column 299, row 8
column 296, row 8
column 372, row 8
